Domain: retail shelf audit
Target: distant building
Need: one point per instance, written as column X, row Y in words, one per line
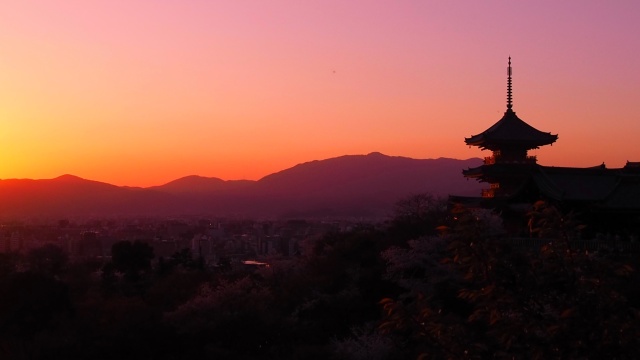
column 605, row 199
column 16, row 242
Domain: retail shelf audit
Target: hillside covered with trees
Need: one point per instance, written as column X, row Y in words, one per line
column 431, row 282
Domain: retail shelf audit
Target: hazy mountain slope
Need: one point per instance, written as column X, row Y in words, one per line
column 366, row 173
column 72, row 196
column 365, row 184
column 353, row 185
column 201, row 184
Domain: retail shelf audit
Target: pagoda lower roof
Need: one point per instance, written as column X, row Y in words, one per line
column 511, row 131
column 499, row 170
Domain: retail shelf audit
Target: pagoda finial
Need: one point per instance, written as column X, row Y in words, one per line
column 509, row 98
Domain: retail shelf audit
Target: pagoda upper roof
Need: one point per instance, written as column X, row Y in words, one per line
column 511, row 131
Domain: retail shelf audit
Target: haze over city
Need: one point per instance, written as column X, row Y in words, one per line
column 141, row 93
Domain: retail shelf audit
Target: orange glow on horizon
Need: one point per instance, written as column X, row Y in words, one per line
column 143, row 93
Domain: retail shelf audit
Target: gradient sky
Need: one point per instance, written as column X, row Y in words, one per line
column 143, row 92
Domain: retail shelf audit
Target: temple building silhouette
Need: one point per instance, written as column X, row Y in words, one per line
column 606, row 200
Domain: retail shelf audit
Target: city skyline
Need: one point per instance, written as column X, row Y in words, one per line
column 142, row 94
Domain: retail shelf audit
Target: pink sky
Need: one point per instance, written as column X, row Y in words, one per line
column 143, row 92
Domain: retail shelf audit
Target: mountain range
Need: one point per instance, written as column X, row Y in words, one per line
column 345, row 186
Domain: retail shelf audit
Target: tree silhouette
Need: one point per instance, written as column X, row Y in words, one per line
column 32, row 306
column 49, row 259
column 131, row 258
column 418, row 215
column 539, row 303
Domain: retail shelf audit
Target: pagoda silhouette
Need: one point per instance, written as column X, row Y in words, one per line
column 605, row 198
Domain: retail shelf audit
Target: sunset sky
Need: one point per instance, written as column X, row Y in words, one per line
column 143, row 92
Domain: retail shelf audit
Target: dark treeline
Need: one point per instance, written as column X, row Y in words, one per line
column 432, row 282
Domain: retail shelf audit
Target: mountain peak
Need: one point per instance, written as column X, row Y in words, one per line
column 68, row 177
column 376, row 154
column 200, row 184
column 194, row 180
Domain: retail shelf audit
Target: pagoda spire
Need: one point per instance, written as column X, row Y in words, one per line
column 511, row 134
column 509, row 97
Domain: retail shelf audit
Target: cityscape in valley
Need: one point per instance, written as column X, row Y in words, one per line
column 215, row 219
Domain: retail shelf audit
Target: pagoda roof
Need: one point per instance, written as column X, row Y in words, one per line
column 485, row 172
column 511, row 131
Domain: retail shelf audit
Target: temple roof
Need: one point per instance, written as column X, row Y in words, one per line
column 577, row 184
column 598, row 187
column 612, row 189
column 511, row 131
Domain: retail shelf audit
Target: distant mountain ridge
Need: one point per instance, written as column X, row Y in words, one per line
column 200, row 184
column 350, row 185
